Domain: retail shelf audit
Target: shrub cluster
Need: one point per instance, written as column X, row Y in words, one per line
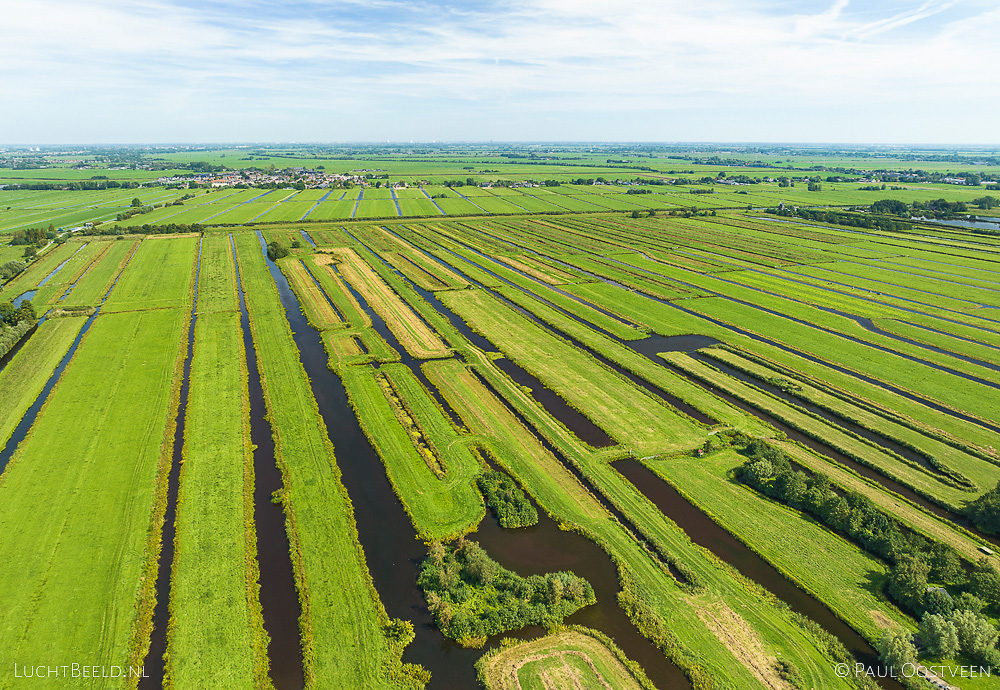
column 11, row 269
column 471, row 596
column 507, row 500
column 14, row 323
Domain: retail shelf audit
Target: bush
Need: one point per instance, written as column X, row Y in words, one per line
column 471, row 596
column 507, row 500
column 985, row 511
column 939, row 635
column 276, row 250
column 11, row 269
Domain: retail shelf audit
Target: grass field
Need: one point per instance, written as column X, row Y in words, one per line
column 171, row 261
column 24, row 377
column 78, row 498
column 560, row 494
column 343, row 623
column 881, row 345
column 430, row 467
column 407, row 326
column 216, row 635
column 625, row 411
column 562, row 660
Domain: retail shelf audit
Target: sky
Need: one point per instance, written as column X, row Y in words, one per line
column 170, row 71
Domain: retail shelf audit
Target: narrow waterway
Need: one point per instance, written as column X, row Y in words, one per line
column 155, row 662
column 279, row 600
column 705, row 532
column 393, row 553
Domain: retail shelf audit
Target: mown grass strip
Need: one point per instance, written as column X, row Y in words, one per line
column 412, row 332
column 78, row 501
column 26, row 374
column 430, row 467
column 626, row 412
column 216, row 634
column 217, row 286
column 345, row 639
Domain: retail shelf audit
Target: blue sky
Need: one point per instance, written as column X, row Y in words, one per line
column 115, row 71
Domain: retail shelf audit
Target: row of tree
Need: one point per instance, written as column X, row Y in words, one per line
column 146, row 229
column 845, row 218
column 915, row 559
column 14, row 323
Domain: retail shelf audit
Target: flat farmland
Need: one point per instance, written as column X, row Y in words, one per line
column 623, row 376
column 81, row 491
column 171, row 261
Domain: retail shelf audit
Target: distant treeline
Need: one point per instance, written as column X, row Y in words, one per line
column 845, row 218
column 164, row 229
column 88, row 185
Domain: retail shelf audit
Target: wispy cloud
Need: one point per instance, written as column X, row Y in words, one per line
column 347, row 69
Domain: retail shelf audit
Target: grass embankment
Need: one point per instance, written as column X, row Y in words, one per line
column 968, row 396
column 76, row 501
column 798, row 546
column 345, row 629
column 408, row 327
column 425, row 272
column 158, row 275
column 319, row 310
column 922, row 480
column 430, row 466
column 28, row 371
column 625, row 411
column 569, row 659
column 983, row 473
column 667, row 321
column 216, row 634
column 618, row 353
column 678, row 619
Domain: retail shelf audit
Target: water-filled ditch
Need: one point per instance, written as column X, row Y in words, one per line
column 705, row 532
column 154, row 665
column 393, row 554
column 279, row 601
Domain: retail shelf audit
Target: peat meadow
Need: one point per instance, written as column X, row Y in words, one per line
column 509, row 417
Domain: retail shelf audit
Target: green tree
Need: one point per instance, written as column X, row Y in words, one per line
column 908, row 581
column 985, row 511
column 939, row 635
column 136, row 203
column 760, row 471
column 895, row 649
column 975, row 633
column 985, row 583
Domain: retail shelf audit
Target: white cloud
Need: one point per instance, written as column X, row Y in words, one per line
column 308, row 65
